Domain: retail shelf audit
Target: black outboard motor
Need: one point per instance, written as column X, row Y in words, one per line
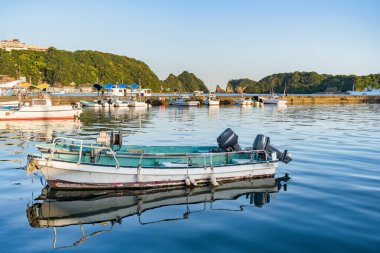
column 263, row 143
column 228, row 141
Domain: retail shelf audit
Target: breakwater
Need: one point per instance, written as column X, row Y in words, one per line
column 225, row 100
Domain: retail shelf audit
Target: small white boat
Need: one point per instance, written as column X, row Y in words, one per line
column 109, row 164
column 365, row 92
column 40, row 109
column 121, row 103
column 244, row 101
column 211, row 100
column 184, row 101
column 274, row 100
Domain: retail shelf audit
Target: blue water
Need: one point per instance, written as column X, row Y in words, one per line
column 331, row 203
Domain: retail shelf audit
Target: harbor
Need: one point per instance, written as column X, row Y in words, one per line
column 225, row 99
column 189, row 126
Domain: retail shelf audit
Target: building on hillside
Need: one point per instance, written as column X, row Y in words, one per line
column 16, row 44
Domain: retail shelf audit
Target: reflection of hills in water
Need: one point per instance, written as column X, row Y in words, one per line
column 39, row 130
column 57, row 208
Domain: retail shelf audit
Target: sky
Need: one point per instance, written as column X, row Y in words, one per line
column 217, row 40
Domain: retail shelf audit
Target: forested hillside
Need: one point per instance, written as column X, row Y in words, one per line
column 80, row 67
column 185, row 82
column 304, row 82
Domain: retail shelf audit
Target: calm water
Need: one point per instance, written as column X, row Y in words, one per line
column 331, row 204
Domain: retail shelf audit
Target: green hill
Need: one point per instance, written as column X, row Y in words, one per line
column 81, row 67
column 242, row 85
column 304, row 82
column 185, row 82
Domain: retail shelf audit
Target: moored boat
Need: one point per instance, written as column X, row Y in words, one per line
column 40, row 109
column 211, row 100
column 274, row 100
column 109, row 164
column 90, row 103
column 244, row 101
column 184, row 101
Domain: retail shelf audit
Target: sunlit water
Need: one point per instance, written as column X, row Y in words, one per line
column 331, row 204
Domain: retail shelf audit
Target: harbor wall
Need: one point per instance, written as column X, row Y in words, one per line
column 292, row 99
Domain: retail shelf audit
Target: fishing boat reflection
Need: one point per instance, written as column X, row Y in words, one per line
column 39, row 130
column 59, row 208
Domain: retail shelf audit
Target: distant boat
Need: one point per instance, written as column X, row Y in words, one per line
column 184, row 101
column 244, row 101
column 40, row 109
column 274, row 100
column 211, row 100
column 365, row 92
column 121, row 103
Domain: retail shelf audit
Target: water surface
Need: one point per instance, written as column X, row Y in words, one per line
column 330, row 204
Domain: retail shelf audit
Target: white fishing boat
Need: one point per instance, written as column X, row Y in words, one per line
column 211, row 100
column 109, row 164
column 244, row 101
column 121, row 103
column 274, row 100
column 41, row 109
column 184, row 101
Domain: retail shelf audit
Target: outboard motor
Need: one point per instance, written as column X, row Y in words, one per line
column 228, row 141
column 263, row 143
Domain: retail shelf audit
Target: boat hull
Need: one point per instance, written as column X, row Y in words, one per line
column 69, row 175
column 39, row 115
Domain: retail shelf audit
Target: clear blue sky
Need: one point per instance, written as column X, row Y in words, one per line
column 218, row 40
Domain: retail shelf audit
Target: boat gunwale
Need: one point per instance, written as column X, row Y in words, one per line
column 255, row 162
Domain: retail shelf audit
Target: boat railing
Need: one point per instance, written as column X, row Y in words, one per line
column 81, row 146
column 208, row 156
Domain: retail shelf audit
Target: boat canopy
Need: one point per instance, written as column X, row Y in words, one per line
column 108, row 86
column 111, row 85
